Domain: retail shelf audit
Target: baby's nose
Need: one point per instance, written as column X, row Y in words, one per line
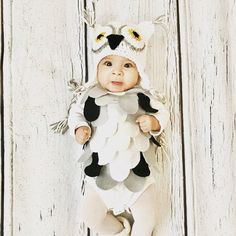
column 117, row 71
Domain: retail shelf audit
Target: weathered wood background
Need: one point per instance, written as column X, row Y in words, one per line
column 43, row 47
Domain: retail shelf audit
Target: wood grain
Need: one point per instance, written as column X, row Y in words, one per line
column 44, row 50
column 208, row 79
column 1, row 120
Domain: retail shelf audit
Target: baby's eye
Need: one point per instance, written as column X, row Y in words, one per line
column 107, row 63
column 128, row 65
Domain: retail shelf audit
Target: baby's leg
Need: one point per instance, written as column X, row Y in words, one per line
column 95, row 215
column 144, row 212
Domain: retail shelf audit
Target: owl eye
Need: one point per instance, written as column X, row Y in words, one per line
column 100, row 36
column 134, row 34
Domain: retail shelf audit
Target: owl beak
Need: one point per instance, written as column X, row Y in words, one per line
column 114, row 40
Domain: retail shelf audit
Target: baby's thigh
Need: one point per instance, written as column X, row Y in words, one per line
column 145, row 207
column 93, row 208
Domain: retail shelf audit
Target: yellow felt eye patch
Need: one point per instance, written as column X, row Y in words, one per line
column 134, row 34
column 100, row 36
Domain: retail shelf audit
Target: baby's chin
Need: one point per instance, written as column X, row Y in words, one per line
column 115, row 89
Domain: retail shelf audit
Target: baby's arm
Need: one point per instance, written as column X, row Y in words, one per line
column 148, row 123
column 79, row 127
column 154, row 122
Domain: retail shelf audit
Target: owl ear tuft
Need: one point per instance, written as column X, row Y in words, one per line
column 147, row 29
column 97, row 26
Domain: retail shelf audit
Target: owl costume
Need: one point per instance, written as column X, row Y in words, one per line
column 119, row 158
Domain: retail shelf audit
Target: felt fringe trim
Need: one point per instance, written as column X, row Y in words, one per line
column 61, row 126
column 89, row 16
column 164, row 147
column 158, row 95
column 162, row 155
column 162, row 21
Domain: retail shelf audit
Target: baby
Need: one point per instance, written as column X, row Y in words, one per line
column 116, row 119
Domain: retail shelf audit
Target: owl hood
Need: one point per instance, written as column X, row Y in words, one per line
column 130, row 41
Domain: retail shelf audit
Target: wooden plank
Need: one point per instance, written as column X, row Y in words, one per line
column 1, row 121
column 44, row 49
column 208, row 77
column 7, row 119
column 162, row 67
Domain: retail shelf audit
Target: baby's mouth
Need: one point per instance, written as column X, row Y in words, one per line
column 117, row 83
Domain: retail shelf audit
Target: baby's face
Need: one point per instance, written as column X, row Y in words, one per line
column 117, row 74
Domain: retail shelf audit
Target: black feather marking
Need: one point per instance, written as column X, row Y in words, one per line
column 142, row 168
column 94, row 168
column 91, row 110
column 144, row 103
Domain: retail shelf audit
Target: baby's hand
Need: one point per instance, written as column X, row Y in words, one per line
column 148, row 123
column 82, row 134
